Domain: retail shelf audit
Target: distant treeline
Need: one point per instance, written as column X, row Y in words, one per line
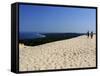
column 50, row 37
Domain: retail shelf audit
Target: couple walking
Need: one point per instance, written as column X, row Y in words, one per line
column 90, row 34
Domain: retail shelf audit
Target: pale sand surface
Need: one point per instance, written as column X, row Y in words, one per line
column 79, row 52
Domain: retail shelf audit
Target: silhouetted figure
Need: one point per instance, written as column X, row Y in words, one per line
column 91, row 35
column 88, row 34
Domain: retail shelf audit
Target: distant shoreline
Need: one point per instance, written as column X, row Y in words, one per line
column 49, row 37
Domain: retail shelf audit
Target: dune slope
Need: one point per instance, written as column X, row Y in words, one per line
column 79, row 52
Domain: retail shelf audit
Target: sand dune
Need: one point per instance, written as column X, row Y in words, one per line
column 77, row 52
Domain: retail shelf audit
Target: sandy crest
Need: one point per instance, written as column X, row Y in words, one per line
column 79, row 52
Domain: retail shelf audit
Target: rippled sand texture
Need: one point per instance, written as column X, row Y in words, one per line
column 79, row 52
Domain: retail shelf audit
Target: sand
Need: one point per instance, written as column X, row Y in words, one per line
column 78, row 52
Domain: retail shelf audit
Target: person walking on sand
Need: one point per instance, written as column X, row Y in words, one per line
column 88, row 34
column 91, row 35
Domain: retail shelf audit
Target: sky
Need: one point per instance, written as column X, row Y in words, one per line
column 48, row 19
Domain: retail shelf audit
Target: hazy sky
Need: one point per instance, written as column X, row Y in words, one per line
column 56, row 19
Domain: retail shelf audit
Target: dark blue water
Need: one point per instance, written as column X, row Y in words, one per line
column 33, row 35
